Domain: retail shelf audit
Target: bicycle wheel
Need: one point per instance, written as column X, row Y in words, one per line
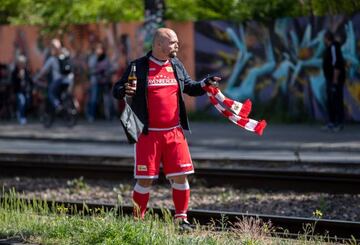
column 46, row 114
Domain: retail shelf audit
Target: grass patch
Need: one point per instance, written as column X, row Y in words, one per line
column 38, row 222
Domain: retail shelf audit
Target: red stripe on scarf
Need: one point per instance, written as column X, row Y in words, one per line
column 260, row 127
column 213, row 100
column 243, row 121
column 246, row 108
column 243, row 113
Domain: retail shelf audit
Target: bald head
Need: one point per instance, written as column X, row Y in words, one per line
column 165, row 44
column 56, row 43
column 162, row 34
column 55, row 46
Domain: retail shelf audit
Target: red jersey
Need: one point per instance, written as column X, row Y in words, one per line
column 163, row 92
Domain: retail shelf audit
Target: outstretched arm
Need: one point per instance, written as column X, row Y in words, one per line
column 191, row 87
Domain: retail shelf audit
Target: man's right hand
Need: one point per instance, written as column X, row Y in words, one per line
column 129, row 90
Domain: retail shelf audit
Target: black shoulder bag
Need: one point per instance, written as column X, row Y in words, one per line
column 132, row 125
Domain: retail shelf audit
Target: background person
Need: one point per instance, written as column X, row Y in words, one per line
column 334, row 71
column 100, row 72
column 22, row 85
column 5, row 92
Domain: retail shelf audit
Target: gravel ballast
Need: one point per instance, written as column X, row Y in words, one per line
column 332, row 206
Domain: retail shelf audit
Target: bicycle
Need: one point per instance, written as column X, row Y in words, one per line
column 69, row 107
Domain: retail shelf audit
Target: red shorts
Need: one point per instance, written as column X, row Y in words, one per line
column 167, row 147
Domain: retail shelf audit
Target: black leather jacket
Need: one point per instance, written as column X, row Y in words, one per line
column 139, row 102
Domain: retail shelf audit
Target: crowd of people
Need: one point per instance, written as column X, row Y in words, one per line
column 21, row 91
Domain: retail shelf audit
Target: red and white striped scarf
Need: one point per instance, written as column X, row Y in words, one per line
column 235, row 111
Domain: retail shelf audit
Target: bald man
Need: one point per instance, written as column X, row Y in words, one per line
column 158, row 102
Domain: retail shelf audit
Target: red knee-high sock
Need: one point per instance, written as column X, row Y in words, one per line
column 181, row 197
column 141, row 197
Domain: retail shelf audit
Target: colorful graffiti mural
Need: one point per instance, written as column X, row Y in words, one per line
column 279, row 64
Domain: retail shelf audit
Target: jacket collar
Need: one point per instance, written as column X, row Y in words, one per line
column 172, row 60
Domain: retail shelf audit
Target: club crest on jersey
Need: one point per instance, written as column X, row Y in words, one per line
column 169, row 69
column 142, row 168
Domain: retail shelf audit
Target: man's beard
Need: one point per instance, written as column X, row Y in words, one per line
column 172, row 54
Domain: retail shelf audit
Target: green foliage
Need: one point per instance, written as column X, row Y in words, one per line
column 54, row 14
column 265, row 10
column 8, row 8
column 332, row 7
column 182, row 10
column 240, row 10
column 218, row 9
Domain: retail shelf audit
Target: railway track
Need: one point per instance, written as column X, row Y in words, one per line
column 65, row 166
column 335, row 230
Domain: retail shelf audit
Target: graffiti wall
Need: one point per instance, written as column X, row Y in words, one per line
column 279, row 64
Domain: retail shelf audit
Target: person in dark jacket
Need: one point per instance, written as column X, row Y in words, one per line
column 22, row 85
column 100, row 71
column 334, row 71
column 158, row 101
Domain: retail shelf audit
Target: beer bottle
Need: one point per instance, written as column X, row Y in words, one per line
column 132, row 79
